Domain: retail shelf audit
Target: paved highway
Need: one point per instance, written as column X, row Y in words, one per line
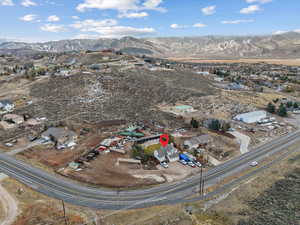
column 101, row 198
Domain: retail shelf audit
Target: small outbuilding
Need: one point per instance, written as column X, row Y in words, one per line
column 13, row 118
column 182, row 109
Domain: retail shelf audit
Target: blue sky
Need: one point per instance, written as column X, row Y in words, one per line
column 43, row 20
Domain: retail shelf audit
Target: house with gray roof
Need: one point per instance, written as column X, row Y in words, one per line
column 168, row 153
column 160, row 155
column 62, row 137
column 172, row 153
column 194, row 142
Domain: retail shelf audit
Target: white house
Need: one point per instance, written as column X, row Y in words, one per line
column 251, row 117
column 169, row 153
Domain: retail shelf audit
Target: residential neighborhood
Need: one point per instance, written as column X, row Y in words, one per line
column 67, row 111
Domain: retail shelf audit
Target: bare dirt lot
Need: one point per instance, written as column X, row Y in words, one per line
column 289, row 62
column 103, row 171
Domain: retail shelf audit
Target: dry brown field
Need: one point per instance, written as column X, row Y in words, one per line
column 289, row 62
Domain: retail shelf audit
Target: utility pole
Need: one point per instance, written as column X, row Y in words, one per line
column 64, row 209
column 200, row 187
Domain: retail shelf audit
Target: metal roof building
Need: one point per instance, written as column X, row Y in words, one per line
column 251, row 117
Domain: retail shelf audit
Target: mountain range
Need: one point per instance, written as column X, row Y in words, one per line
column 285, row 45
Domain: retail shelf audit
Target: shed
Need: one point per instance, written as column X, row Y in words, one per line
column 182, row 109
column 131, row 134
column 148, row 138
column 13, row 118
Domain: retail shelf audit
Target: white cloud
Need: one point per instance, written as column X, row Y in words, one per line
column 29, row 17
column 75, row 17
column 151, row 4
column 177, row 26
column 28, row 3
column 109, row 28
column 53, row 28
column 236, row 21
column 53, row 18
column 92, row 25
column 7, row 3
column 199, row 25
column 210, row 10
column 120, row 5
column 259, row 1
column 250, row 9
column 297, row 30
column 133, row 15
column 154, row 4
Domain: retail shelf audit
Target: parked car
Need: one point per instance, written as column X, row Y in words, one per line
column 183, row 162
column 9, row 145
column 191, row 164
column 164, row 165
column 198, row 163
column 254, row 163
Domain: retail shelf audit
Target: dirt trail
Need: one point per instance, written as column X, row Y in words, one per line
column 10, row 207
column 243, row 140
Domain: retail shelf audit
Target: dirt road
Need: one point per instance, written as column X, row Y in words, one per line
column 10, row 207
column 243, row 140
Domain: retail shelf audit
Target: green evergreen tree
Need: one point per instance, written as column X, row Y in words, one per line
column 194, row 123
column 271, row 108
column 282, row 111
column 225, row 127
column 289, row 104
column 296, row 106
column 215, row 125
